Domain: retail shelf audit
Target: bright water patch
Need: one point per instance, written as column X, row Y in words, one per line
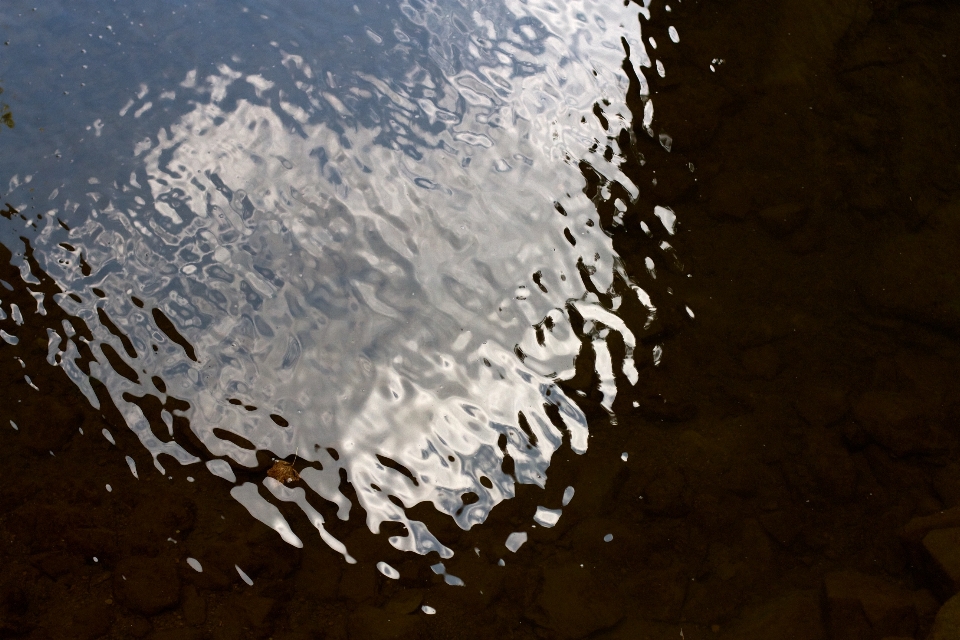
column 365, row 243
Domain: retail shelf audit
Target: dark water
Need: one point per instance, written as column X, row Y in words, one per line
column 549, row 362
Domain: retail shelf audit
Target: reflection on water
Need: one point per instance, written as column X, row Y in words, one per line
column 358, row 236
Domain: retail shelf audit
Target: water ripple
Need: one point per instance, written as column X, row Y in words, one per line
column 374, row 252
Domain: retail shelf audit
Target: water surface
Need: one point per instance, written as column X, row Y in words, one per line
column 354, row 234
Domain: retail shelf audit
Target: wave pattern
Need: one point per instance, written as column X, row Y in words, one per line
column 380, row 270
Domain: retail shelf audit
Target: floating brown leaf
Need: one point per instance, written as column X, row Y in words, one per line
column 283, row 472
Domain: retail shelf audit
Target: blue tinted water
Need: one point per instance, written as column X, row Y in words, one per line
column 367, row 222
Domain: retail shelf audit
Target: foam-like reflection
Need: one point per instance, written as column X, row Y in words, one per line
column 375, row 273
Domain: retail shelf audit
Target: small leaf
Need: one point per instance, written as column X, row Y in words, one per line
column 283, row 472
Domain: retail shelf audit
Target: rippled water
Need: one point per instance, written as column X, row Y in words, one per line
column 356, row 234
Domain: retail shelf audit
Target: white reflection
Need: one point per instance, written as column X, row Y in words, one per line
column 547, row 517
column 382, row 262
column 243, row 575
column 247, row 495
column 388, row 571
column 515, row 540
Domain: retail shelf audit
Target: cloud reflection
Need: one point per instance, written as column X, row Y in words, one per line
column 375, row 272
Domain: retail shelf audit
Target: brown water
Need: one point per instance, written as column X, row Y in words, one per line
column 769, row 451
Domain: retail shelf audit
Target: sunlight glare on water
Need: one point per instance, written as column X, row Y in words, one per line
column 371, row 244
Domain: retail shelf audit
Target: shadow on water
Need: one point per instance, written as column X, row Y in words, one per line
column 782, row 462
column 6, row 117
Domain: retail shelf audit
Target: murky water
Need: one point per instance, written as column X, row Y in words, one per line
column 424, row 255
column 353, row 234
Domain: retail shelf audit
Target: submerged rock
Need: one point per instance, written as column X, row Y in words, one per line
column 917, row 529
column 947, row 624
column 147, row 585
column 783, row 219
column 898, row 423
column 914, row 276
column 947, row 484
column 863, row 606
column 794, row 616
column 943, row 546
column 761, row 362
column 577, row 602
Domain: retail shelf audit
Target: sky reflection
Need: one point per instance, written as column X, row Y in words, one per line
column 368, row 226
